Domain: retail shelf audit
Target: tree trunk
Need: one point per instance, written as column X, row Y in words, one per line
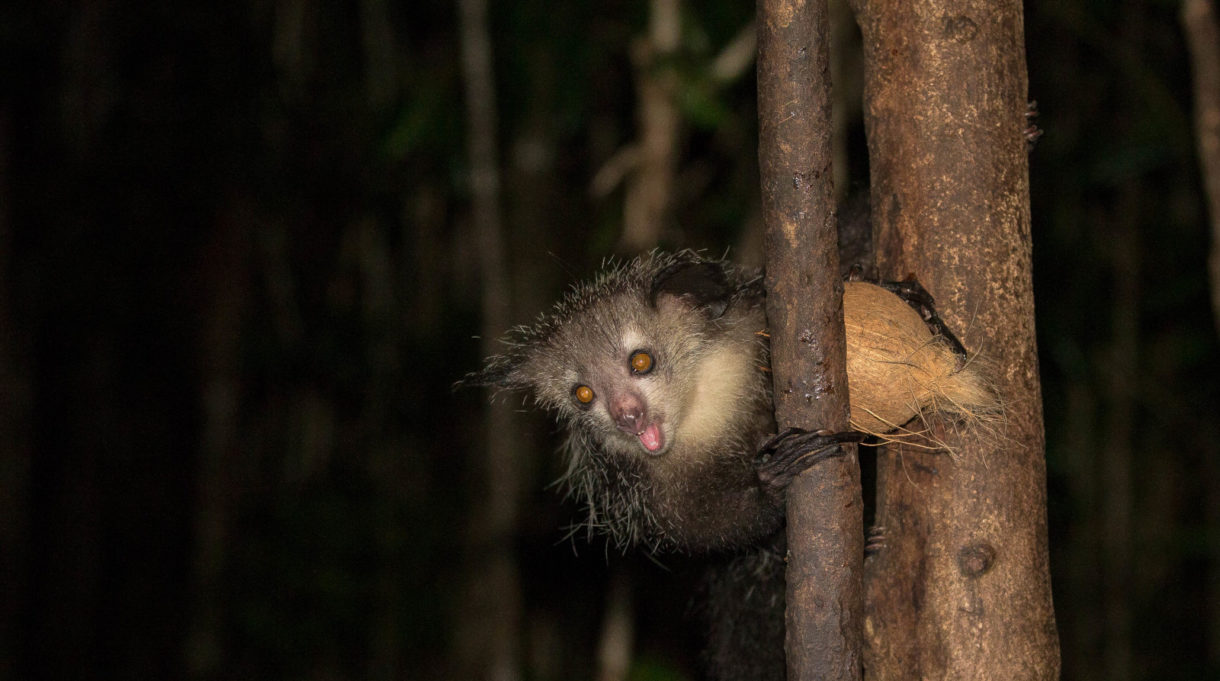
column 1203, row 38
column 646, row 208
column 962, row 587
column 225, row 269
column 1199, row 25
column 489, row 634
column 15, row 442
column 808, row 344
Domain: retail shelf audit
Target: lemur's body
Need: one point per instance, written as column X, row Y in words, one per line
column 659, row 370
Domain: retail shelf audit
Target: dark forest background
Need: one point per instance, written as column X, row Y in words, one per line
column 239, row 274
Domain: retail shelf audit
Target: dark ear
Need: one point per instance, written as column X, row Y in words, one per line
column 700, row 284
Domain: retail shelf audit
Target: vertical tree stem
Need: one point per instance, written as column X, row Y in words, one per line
column 962, row 588
column 490, row 640
column 1199, row 24
column 1203, row 38
column 808, row 347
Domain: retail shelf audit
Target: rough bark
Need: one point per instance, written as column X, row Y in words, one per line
column 962, row 588
column 808, row 347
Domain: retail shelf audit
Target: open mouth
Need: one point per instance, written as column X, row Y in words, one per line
column 652, row 438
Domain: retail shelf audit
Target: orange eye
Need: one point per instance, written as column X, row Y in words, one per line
column 583, row 394
column 641, row 362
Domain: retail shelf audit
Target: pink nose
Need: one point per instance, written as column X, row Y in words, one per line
column 628, row 412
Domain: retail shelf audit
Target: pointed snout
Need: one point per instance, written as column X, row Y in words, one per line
column 629, row 413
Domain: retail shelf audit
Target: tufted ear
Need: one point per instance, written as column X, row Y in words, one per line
column 697, row 284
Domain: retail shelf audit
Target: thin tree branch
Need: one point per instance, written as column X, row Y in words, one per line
column 736, row 57
column 1203, row 39
column 490, row 641
column 1199, row 23
column 646, row 207
column 808, row 345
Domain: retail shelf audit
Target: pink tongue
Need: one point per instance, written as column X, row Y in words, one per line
column 651, row 438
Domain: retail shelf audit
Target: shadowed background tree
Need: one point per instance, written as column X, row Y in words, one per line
column 238, row 276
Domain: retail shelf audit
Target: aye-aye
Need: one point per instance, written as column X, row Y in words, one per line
column 658, row 369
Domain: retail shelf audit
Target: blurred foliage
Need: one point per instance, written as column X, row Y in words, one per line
column 299, row 169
